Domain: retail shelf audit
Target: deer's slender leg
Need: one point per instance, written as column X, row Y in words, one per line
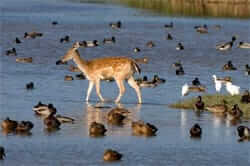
column 91, row 84
column 133, row 84
column 121, row 87
column 98, row 91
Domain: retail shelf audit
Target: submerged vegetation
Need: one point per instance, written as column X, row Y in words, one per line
column 210, row 100
column 193, row 8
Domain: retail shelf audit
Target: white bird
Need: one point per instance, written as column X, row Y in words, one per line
column 184, row 90
column 232, row 89
column 218, row 84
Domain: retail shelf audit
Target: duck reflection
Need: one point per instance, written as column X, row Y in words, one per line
column 117, row 120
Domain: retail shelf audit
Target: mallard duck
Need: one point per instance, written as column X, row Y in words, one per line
column 64, row 119
column 145, row 83
column 116, row 25
column 202, row 29
column 179, row 47
column 80, row 76
column 145, row 129
column 225, row 46
column 17, row 41
column 244, row 45
column 234, row 113
column 109, row 40
column 39, row 106
column 158, row 80
column 136, row 49
column 116, row 118
column 111, row 155
column 218, row 108
column 195, row 131
column 68, row 78
column 150, row 44
column 186, row 89
column 51, row 122
column 64, row 39
column 244, row 133
column 90, row 43
column 54, row 23
column 196, row 82
column 11, row 52
column 169, row 37
column 2, row 153
column 245, row 98
column 45, row 110
column 32, row 35
column 24, row 126
column 171, row 25
column 199, row 104
column 97, row 129
column 30, row 86
column 24, row 60
column 229, row 66
column 179, row 71
column 9, row 125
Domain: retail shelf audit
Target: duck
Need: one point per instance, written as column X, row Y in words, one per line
column 143, row 129
column 143, row 83
column 218, row 108
column 9, row 125
column 247, row 70
column 51, row 122
column 170, row 25
column 199, row 104
column 244, row 45
column 2, row 153
column 80, row 76
column 179, row 46
column 40, row 106
column 225, row 46
column 32, row 35
column 179, row 71
column 115, row 117
column 73, row 68
column 196, row 82
column 244, row 133
column 116, row 25
column 202, row 29
column 64, row 119
column 245, row 98
column 64, row 39
column 234, row 113
column 109, row 40
column 150, row 44
column 11, row 52
column 229, row 66
column 232, row 89
column 54, row 23
column 24, row 60
column 18, row 41
column 186, row 89
column 68, row 78
column 90, row 43
column 158, row 80
column 169, row 37
column 24, row 126
column 97, row 129
column 195, row 131
column 136, row 49
column 30, row 86
column 44, row 110
column 111, row 155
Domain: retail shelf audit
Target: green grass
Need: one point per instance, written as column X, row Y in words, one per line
column 211, row 100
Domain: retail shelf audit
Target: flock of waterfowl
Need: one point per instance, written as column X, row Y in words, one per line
column 116, row 116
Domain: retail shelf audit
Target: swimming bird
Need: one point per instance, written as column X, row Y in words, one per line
column 229, row 66
column 116, row 25
column 44, row 110
column 199, row 104
column 30, row 86
column 244, row 45
column 235, row 113
column 64, row 39
column 109, row 40
column 2, row 153
column 179, row 47
column 68, row 78
column 169, row 37
column 54, row 23
column 245, row 98
column 90, row 43
column 171, row 25
column 150, row 44
column 179, row 71
column 195, row 131
column 218, row 108
column 196, row 82
column 136, row 49
column 80, row 76
column 225, row 46
column 24, row 126
column 51, row 122
column 111, row 155
column 244, row 133
column 24, row 60
column 115, row 117
column 64, row 119
column 177, row 64
column 232, row 89
column 202, row 29
column 158, row 80
column 39, row 106
column 32, row 35
column 9, row 125
column 11, row 52
column 146, row 83
column 186, row 89
column 17, row 41
column 97, row 129
column 144, row 129
column 247, row 70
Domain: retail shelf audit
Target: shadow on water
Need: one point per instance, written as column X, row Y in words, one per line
column 188, row 8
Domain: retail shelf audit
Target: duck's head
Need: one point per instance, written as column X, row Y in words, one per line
column 233, row 38
column 199, row 98
column 26, row 34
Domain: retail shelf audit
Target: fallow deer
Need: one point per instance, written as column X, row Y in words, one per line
column 118, row 68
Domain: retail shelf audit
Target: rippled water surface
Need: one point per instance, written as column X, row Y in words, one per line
column 72, row 145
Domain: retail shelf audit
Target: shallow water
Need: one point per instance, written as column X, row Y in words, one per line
column 71, row 145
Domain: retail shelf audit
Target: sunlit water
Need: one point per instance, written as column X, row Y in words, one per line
column 72, row 145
